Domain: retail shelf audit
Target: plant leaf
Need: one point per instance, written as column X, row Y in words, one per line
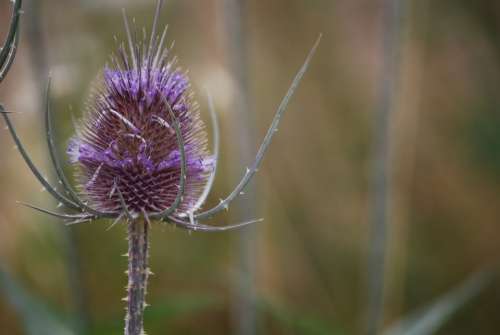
column 36, row 317
column 298, row 323
column 429, row 319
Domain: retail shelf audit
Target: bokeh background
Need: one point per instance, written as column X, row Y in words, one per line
column 314, row 189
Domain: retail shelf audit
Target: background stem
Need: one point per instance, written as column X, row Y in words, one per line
column 138, row 272
column 379, row 225
column 242, row 121
column 34, row 22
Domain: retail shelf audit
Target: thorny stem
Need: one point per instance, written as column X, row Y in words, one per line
column 138, row 272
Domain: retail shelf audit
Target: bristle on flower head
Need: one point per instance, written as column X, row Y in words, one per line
column 127, row 147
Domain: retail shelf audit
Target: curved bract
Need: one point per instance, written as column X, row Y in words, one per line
column 8, row 51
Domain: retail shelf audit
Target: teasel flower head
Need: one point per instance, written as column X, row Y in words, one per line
column 127, row 143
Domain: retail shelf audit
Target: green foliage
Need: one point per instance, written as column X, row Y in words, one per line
column 37, row 318
column 431, row 318
column 483, row 138
column 160, row 315
column 298, row 323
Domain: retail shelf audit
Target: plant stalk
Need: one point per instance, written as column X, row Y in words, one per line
column 138, row 272
column 244, row 304
column 381, row 193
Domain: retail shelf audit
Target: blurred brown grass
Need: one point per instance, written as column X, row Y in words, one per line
column 314, row 184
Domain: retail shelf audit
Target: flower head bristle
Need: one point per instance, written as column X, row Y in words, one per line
column 126, row 139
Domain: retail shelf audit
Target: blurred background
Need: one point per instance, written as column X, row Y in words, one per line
column 307, row 266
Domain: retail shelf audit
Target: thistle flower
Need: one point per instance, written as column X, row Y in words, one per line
column 127, row 149
column 140, row 152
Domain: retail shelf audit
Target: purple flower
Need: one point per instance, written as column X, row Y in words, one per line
column 127, row 142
